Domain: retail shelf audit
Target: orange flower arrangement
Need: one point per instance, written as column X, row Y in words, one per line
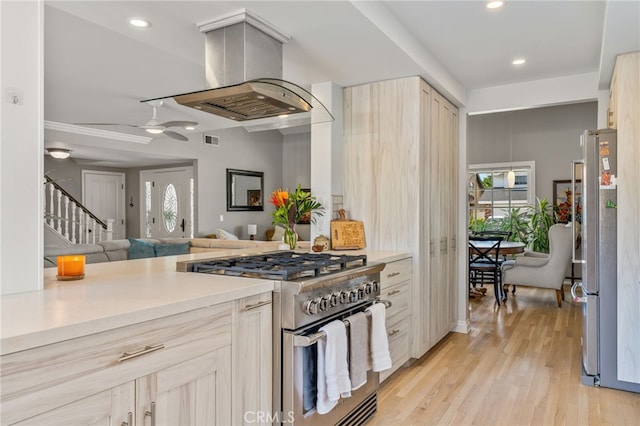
column 291, row 208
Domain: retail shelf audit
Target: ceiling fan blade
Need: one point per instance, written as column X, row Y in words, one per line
column 178, row 124
column 175, row 135
column 105, row 124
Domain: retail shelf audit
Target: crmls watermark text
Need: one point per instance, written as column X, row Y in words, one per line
column 264, row 417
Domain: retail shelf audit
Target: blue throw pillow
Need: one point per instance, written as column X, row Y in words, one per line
column 140, row 249
column 171, row 249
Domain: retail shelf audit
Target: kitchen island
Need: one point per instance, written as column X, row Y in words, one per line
column 134, row 339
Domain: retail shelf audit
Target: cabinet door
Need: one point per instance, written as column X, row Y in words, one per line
column 194, row 392
column 252, row 360
column 107, row 408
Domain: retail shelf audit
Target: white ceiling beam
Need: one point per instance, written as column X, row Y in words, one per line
column 434, row 72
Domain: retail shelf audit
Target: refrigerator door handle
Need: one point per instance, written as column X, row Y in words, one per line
column 574, row 257
column 574, row 295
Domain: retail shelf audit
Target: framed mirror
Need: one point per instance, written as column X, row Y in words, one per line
column 245, row 190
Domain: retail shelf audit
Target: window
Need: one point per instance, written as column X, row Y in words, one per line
column 488, row 195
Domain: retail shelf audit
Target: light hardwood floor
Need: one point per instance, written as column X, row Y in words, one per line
column 519, row 365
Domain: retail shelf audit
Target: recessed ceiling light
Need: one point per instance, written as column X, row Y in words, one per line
column 283, row 116
column 518, row 61
column 494, row 4
column 140, row 23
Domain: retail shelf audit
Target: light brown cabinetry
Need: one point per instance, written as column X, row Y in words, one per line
column 395, row 286
column 626, row 104
column 400, row 177
column 252, row 360
column 173, row 370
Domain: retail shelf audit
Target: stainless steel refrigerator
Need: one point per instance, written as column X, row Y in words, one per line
column 597, row 173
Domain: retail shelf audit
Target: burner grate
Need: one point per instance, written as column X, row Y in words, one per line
column 285, row 266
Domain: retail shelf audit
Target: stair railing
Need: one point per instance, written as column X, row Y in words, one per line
column 71, row 219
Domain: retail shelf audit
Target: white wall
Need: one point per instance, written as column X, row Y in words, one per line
column 21, row 230
column 549, row 136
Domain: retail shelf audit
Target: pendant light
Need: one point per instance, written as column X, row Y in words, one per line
column 511, row 176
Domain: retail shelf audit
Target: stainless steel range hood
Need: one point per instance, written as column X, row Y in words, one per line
column 243, row 57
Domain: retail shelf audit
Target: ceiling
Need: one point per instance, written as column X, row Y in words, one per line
column 98, row 67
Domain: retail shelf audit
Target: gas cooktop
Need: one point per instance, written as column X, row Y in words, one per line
column 282, row 265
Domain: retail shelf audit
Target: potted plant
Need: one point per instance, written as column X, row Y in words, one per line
column 291, row 207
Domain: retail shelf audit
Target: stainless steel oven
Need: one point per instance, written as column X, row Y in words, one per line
column 313, row 289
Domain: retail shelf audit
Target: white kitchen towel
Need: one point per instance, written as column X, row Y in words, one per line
column 358, row 349
column 333, row 371
column 379, row 343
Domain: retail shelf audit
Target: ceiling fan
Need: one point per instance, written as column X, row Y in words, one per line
column 154, row 126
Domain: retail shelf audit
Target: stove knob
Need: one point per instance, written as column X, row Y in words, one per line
column 368, row 287
column 376, row 286
column 344, row 297
column 311, row 307
column 335, row 298
column 324, row 303
column 353, row 295
column 361, row 292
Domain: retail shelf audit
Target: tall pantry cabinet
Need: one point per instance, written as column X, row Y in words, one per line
column 625, row 114
column 400, row 179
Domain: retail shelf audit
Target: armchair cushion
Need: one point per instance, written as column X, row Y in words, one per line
column 531, row 261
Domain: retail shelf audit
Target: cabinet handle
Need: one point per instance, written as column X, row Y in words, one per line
column 392, row 332
column 392, row 292
column 152, row 414
column 393, row 274
column 256, row 305
column 129, row 421
column 147, row 349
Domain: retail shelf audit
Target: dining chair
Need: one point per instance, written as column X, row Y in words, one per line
column 485, row 263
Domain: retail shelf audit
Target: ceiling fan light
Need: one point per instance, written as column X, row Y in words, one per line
column 59, row 153
column 494, row 4
column 155, row 130
column 190, row 127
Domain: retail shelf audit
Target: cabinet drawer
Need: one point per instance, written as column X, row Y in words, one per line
column 50, row 376
column 395, row 272
column 400, row 296
column 398, row 334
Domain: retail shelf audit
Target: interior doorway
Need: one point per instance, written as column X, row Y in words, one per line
column 103, row 194
column 167, row 206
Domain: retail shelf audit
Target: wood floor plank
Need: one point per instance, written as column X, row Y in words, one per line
column 520, row 364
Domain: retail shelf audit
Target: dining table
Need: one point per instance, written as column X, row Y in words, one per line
column 506, row 247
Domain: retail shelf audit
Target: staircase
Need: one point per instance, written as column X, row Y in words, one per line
column 70, row 220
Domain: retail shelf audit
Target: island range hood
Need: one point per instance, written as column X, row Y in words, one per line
column 243, row 58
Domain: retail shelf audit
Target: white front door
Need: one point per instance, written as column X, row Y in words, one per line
column 168, row 207
column 103, row 195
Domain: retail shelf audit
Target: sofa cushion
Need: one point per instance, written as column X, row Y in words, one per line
column 114, row 245
column 221, row 234
column 140, row 249
column 171, row 249
column 116, row 255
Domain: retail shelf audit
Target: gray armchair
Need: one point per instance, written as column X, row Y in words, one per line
column 543, row 270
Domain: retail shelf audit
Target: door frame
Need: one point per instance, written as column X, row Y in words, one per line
column 123, row 212
column 142, row 201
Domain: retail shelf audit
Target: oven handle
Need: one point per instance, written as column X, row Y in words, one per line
column 311, row 339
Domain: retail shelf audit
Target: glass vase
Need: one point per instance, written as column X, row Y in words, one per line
column 291, row 238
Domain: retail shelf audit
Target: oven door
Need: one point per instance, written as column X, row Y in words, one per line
column 299, row 376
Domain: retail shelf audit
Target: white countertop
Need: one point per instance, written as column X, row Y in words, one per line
column 116, row 294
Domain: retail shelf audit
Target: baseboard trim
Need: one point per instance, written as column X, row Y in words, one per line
column 461, row 327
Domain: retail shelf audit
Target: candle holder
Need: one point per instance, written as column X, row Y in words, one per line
column 252, row 230
column 70, row 267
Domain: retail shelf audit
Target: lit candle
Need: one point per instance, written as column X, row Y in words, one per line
column 70, row 267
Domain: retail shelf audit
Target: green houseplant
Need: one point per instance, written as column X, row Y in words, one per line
column 542, row 218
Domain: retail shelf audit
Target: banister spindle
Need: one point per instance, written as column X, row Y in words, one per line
column 50, row 210
column 59, row 211
column 73, row 222
column 66, row 217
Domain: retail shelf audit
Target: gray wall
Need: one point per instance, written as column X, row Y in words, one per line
column 296, row 157
column 239, row 149
column 549, row 136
